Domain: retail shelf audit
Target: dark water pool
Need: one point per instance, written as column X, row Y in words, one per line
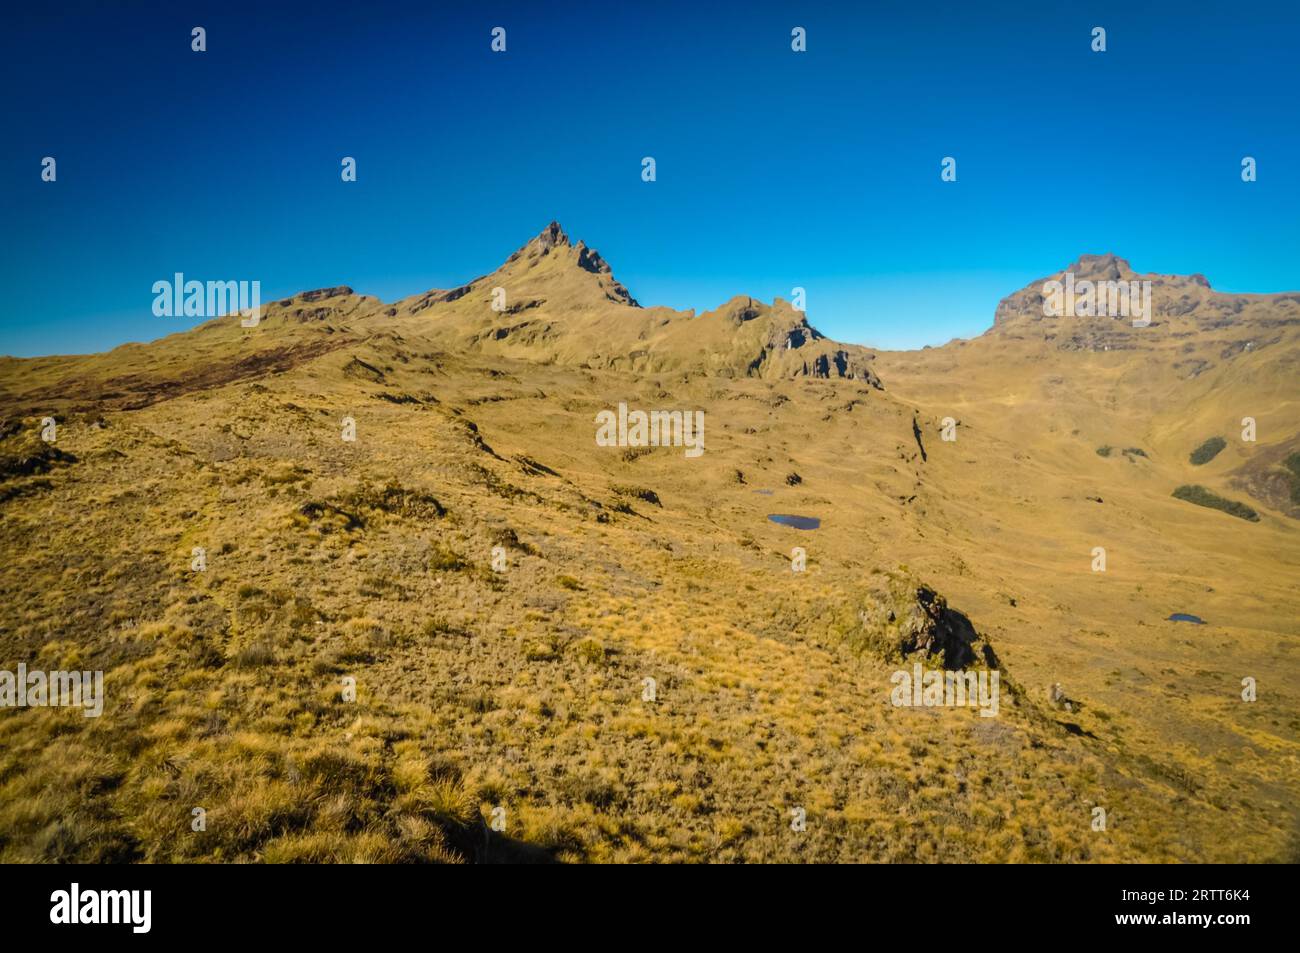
column 1185, row 617
column 798, row 522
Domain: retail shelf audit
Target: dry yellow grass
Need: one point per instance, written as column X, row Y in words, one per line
column 518, row 697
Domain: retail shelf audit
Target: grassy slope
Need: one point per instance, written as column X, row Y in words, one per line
column 523, row 689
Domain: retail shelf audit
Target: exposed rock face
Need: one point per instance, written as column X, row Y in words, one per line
column 441, row 296
column 1106, row 267
column 791, row 347
column 903, row 617
column 552, row 236
column 1184, row 301
column 322, row 293
column 589, row 260
column 1030, row 302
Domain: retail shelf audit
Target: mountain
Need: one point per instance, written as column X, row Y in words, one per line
column 1187, row 315
column 1207, row 362
column 562, row 304
column 614, row 650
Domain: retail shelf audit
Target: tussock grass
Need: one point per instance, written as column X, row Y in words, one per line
column 525, row 693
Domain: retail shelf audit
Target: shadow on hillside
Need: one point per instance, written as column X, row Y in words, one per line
column 479, row 844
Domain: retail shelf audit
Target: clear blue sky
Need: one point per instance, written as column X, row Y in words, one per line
column 775, row 169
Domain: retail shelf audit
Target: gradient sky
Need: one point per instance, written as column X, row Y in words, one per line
column 775, row 169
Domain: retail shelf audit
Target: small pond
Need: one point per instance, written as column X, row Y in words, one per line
column 1185, row 617
column 798, row 522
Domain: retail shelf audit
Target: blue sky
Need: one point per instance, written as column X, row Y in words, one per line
column 775, row 169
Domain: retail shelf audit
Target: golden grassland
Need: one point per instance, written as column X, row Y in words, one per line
column 523, row 689
column 521, row 695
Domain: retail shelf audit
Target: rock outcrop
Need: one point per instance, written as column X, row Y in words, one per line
column 903, row 618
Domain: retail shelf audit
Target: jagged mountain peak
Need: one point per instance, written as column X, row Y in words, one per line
column 1186, row 299
column 552, row 236
column 1111, row 267
column 551, row 254
column 1107, row 267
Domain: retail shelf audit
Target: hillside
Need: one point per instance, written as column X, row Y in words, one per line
column 516, row 691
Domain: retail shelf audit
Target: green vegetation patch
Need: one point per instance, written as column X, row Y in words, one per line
column 1292, row 463
column 1199, row 495
column 1128, row 452
column 1208, row 451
